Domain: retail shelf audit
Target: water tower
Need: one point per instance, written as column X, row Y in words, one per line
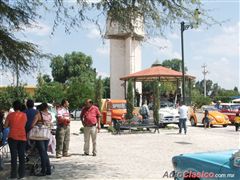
column 125, row 54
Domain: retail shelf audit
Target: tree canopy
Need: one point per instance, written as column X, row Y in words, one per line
column 19, row 14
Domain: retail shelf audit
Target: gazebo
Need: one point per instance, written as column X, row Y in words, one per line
column 160, row 73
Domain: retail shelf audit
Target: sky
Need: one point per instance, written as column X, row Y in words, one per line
column 217, row 47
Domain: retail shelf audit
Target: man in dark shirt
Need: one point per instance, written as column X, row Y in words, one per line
column 30, row 112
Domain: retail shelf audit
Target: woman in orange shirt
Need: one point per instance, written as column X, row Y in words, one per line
column 16, row 121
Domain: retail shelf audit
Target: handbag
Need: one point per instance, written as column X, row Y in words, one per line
column 39, row 132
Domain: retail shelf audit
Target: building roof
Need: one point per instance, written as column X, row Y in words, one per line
column 156, row 72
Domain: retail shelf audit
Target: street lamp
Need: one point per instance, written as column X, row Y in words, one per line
column 183, row 28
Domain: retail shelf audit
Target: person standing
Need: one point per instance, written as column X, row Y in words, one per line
column 144, row 112
column 63, row 130
column 206, row 119
column 237, row 121
column 43, row 117
column 90, row 117
column 31, row 112
column 16, row 121
column 183, row 113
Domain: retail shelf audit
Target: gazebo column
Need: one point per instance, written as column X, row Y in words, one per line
column 125, row 89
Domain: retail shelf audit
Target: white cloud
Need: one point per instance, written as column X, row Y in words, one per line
column 222, row 71
column 226, row 43
column 174, row 36
column 103, row 74
column 40, row 29
column 165, row 47
column 92, row 31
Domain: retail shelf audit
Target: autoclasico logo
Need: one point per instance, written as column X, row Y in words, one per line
column 193, row 174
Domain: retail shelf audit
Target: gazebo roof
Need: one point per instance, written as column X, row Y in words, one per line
column 156, row 72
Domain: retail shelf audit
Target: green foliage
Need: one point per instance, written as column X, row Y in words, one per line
column 111, row 129
column 10, row 94
column 50, row 92
column 46, row 78
column 156, row 101
column 19, row 14
column 76, row 64
column 79, row 89
column 98, row 92
column 225, row 95
column 130, row 100
column 175, row 64
column 16, row 15
column 106, row 87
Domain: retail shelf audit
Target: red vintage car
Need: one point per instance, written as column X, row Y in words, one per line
column 230, row 109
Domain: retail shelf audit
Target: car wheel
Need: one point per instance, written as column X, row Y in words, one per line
column 71, row 116
column 192, row 122
column 225, row 125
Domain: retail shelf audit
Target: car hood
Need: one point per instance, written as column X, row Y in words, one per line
column 168, row 111
column 219, row 117
column 221, row 158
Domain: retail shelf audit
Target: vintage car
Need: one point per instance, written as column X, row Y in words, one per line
column 216, row 118
column 230, row 109
column 168, row 114
column 224, row 165
column 75, row 114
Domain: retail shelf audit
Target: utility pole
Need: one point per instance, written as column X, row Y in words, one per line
column 204, row 77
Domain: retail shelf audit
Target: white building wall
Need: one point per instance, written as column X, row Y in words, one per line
column 125, row 58
column 117, row 68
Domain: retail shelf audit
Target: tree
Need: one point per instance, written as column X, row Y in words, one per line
column 50, row 92
column 79, row 89
column 15, row 16
column 175, row 64
column 19, row 14
column 156, row 101
column 11, row 94
column 106, row 87
column 130, row 100
column 46, row 78
column 98, row 92
column 76, row 64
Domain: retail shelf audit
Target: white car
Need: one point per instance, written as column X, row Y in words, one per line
column 168, row 115
column 76, row 114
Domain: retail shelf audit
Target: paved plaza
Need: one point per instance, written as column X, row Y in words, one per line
column 138, row 155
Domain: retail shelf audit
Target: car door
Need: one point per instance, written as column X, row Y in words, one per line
column 199, row 115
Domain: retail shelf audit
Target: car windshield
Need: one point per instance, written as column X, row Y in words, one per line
column 209, row 108
column 119, row 106
column 235, row 107
column 164, row 104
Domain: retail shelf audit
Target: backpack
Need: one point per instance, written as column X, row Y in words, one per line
column 143, row 110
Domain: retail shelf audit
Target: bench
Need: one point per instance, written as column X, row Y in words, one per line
column 121, row 126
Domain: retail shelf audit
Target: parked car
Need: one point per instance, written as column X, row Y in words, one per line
column 224, row 165
column 168, row 114
column 216, row 118
column 114, row 110
column 230, row 109
column 75, row 114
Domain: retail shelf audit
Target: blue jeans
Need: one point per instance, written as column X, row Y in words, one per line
column 182, row 124
column 42, row 147
column 17, row 149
